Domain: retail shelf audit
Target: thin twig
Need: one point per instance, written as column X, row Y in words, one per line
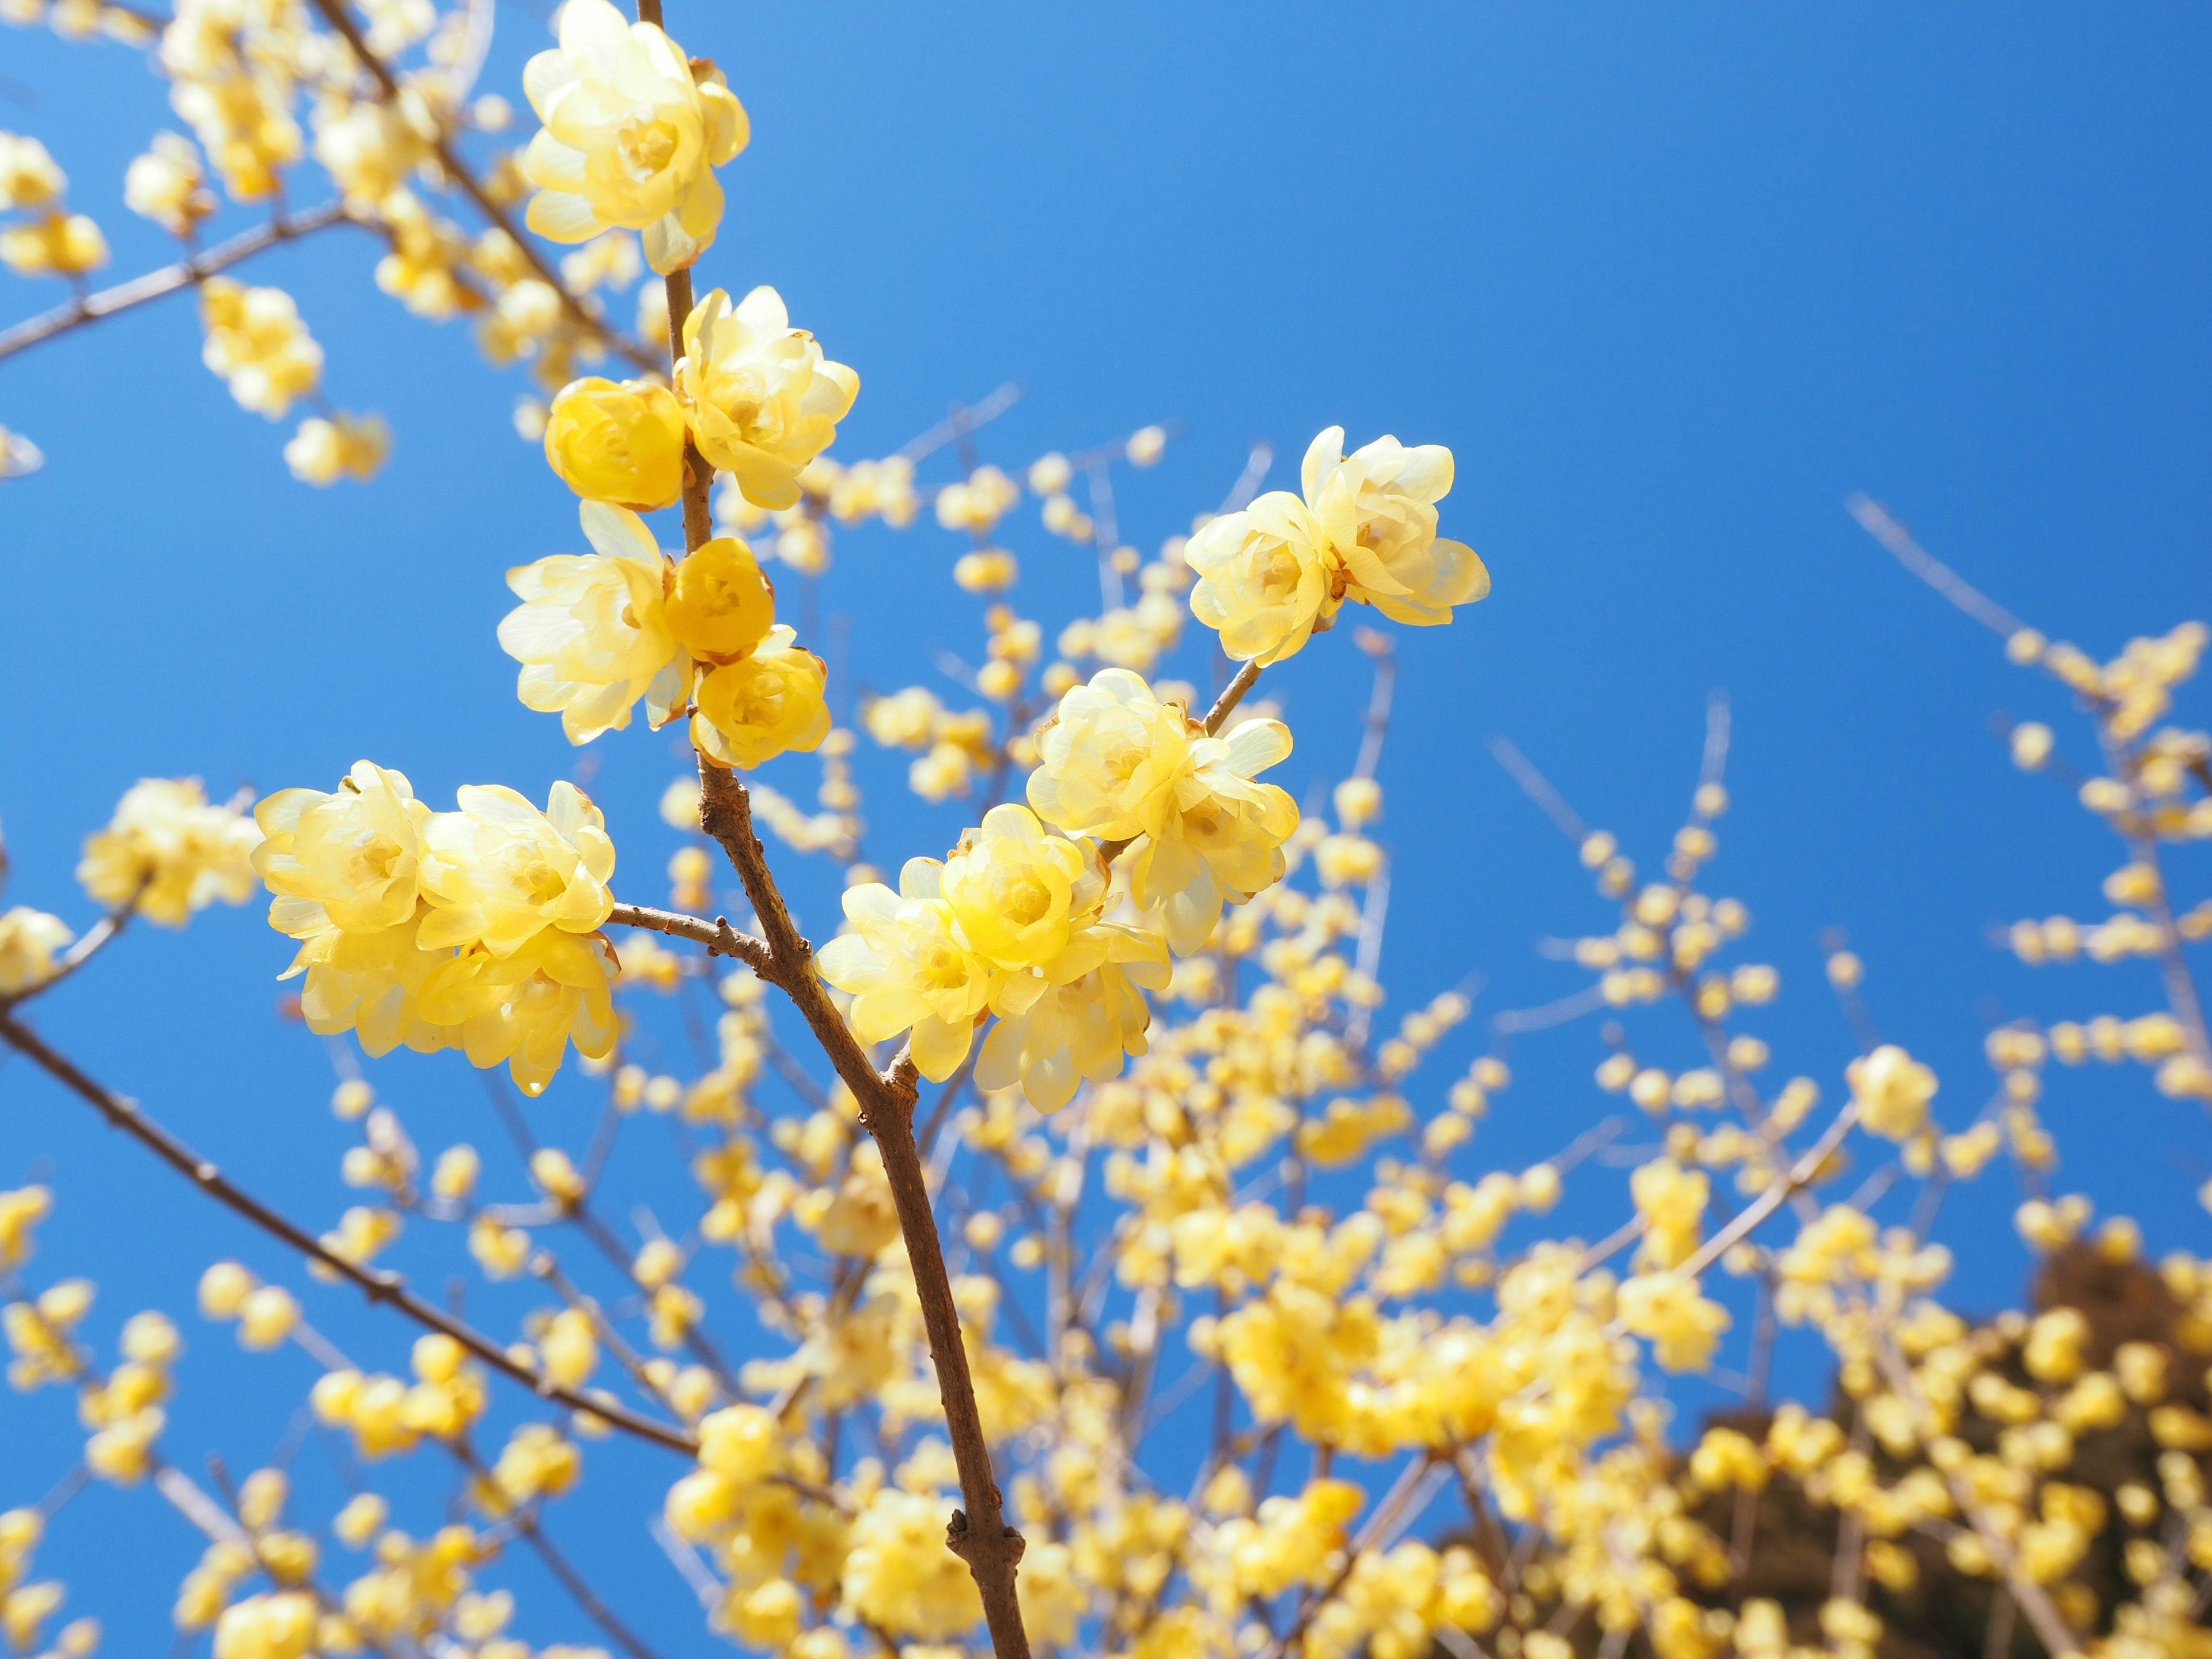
column 334, row 12
column 378, row 1284
column 186, row 273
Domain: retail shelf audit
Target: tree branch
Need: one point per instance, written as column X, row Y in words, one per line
column 186, row 273
column 378, row 1284
column 717, row 936
column 335, row 14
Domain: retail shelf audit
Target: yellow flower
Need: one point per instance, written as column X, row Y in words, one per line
column 622, row 444
column 1086, row 1018
column 170, row 852
column 256, row 341
column 347, row 446
column 58, row 245
column 908, row 968
column 28, row 940
column 721, row 607
column 498, row 871
column 1111, row 758
column 763, row 705
column 1017, row 891
column 1682, row 1327
column 1892, row 1090
column 1118, row 764
column 167, row 184
column 762, row 399
column 524, row 1008
column 1378, row 506
column 347, row 859
column 28, row 175
column 900, row 1575
column 371, row 983
column 1265, row 578
column 593, row 632
column 631, row 136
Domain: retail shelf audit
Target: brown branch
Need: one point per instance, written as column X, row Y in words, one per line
column 528, row 1523
column 186, row 273
column 334, row 12
column 978, row 1533
column 378, row 1284
column 717, row 936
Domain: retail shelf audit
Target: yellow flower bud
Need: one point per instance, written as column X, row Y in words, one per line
column 721, row 606
column 622, row 444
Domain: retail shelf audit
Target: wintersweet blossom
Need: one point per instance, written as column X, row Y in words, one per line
column 619, row 443
column 766, row 703
column 1365, row 530
column 342, row 445
column 350, row 859
column 908, row 969
column 167, row 185
column 474, row 929
column 256, row 341
column 29, row 177
column 1117, row 763
column 1892, row 1090
column 499, row 870
column 1017, row 891
column 762, row 399
column 1379, row 507
column 1087, row 1017
column 593, row 632
column 1265, row 577
column 720, row 607
column 632, row 135
column 28, row 940
column 168, row 851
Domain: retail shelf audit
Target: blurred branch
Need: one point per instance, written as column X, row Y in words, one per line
column 186, row 273
column 379, row 1285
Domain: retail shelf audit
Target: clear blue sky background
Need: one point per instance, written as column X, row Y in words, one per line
column 1670, row 283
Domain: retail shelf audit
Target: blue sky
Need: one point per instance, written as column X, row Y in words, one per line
column 1670, row 283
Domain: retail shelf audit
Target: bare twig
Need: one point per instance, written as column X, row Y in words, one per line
column 334, row 12
column 379, row 1285
column 186, row 273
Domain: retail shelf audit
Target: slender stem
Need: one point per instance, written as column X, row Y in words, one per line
column 334, row 12
column 96, row 937
column 717, row 936
column 186, row 273
column 978, row 1533
column 534, row 1533
column 378, row 1284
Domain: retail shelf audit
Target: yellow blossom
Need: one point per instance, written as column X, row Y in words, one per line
column 622, row 444
column 167, row 184
column 499, row 870
column 167, row 852
column 343, row 445
column 28, row 940
column 632, row 135
column 1264, row 577
column 762, row 399
column 592, row 631
column 721, row 607
column 1378, row 506
column 765, row 704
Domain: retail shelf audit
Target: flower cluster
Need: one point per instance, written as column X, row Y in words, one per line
column 476, row 929
column 596, row 632
column 49, row 240
column 1364, row 529
column 169, row 851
